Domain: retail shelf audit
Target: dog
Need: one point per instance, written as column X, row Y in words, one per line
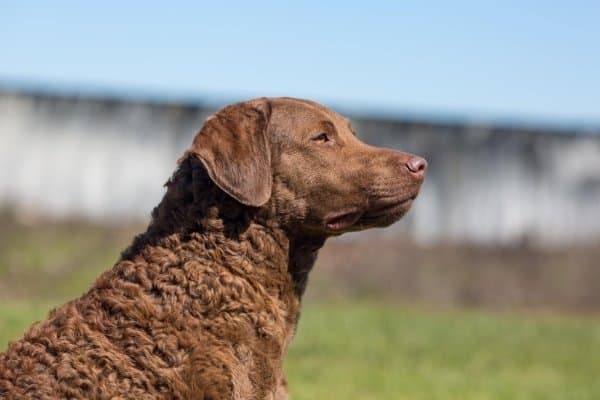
column 205, row 303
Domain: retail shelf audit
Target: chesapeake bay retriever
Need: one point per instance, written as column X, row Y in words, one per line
column 204, row 304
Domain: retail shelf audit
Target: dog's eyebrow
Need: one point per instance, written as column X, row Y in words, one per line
column 328, row 125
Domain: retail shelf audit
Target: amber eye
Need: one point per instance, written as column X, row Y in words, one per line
column 321, row 137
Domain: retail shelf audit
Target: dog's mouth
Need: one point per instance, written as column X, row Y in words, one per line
column 382, row 212
column 342, row 220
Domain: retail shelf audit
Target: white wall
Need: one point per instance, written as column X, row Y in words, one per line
column 109, row 159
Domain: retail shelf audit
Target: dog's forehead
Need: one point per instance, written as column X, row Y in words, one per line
column 292, row 110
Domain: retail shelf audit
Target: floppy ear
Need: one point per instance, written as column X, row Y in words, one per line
column 234, row 148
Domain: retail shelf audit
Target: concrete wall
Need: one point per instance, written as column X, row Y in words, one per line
column 108, row 158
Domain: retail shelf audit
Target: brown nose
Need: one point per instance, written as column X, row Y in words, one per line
column 417, row 166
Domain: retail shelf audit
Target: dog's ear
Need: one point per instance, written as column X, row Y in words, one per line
column 234, row 148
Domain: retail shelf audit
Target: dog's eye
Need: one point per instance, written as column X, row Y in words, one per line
column 321, row 137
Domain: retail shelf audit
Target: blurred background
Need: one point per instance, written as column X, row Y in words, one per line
column 488, row 289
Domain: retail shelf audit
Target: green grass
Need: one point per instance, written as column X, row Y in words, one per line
column 52, row 261
column 369, row 350
column 376, row 351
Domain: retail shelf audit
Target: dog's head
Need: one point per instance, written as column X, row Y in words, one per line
column 304, row 162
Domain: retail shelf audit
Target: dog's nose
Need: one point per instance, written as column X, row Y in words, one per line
column 417, row 166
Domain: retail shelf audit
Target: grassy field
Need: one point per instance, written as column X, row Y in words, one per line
column 379, row 351
column 344, row 349
column 372, row 350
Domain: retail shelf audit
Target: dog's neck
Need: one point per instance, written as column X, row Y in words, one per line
column 302, row 256
column 194, row 206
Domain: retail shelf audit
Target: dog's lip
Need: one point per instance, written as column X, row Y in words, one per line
column 391, row 205
column 343, row 219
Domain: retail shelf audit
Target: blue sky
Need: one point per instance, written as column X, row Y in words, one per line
column 535, row 60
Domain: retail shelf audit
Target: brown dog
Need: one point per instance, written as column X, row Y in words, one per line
column 204, row 304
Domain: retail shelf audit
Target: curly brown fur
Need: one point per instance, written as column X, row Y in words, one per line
column 205, row 303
